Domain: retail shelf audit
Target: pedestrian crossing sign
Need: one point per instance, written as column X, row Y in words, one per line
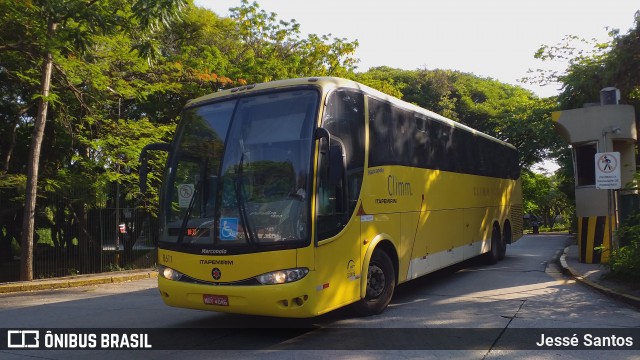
column 608, row 171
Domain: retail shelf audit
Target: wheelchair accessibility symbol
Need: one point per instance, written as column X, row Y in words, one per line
column 228, row 228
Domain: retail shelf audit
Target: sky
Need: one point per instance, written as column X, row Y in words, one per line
column 489, row 38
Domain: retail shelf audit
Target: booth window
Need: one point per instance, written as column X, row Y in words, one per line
column 585, row 164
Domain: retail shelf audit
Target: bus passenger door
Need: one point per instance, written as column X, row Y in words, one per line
column 337, row 236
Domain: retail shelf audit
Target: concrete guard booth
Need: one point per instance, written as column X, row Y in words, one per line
column 595, row 129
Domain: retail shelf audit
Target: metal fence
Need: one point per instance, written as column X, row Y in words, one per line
column 75, row 235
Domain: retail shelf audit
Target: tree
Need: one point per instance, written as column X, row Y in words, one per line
column 272, row 49
column 592, row 66
column 543, row 198
column 40, row 31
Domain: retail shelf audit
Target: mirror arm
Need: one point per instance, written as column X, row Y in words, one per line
column 144, row 161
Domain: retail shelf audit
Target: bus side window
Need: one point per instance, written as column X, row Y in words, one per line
column 344, row 120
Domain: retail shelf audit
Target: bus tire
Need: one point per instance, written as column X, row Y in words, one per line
column 381, row 282
column 506, row 239
column 493, row 255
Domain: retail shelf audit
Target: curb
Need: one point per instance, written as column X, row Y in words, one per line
column 568, row 270
column 76, row 281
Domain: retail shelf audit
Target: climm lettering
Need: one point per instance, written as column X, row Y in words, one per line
column 397, row 187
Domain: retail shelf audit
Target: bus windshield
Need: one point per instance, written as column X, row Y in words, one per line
column 239, row 174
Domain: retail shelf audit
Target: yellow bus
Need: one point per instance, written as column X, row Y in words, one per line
column 296, row 197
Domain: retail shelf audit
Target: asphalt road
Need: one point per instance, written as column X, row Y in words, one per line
column 475, row 311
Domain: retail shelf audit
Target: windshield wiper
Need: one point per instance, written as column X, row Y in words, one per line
column 241, row 200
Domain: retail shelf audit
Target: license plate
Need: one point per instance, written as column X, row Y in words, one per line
column 219, row 300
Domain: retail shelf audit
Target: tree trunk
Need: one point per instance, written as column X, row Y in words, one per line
column 14, row 133
column 26, row 260
column 12, row 145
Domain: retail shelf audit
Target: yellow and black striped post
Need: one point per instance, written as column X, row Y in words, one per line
column 594, row 239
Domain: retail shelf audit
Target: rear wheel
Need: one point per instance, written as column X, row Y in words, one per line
column 493, row 255
column 381, row 281
column 506, row 239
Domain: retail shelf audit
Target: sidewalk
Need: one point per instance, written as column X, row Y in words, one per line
column 80, row 280
column 594, row 276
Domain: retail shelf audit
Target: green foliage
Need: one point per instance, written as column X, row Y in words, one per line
column 12, row 189
column 115, row 267
column 270, row 49
column 592, row 66
column 624, row 263
column 543, row 198
column 16, row 181
column 380, row 83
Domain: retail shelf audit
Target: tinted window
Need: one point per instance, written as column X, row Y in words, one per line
column 401, row 137
column 344, row 119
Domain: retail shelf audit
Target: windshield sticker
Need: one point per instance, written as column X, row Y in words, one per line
column 228, row 228
column 185, row 193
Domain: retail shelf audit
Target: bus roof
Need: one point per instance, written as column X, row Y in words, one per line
column 328, row 83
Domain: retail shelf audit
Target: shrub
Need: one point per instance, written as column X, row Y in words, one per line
column 624, row 262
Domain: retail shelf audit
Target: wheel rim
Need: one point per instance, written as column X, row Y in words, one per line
column 375, row 281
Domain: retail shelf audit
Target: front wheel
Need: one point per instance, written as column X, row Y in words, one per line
column 381, row 281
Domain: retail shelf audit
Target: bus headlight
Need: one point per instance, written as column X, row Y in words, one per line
column 282, row 276
column 169, row 273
